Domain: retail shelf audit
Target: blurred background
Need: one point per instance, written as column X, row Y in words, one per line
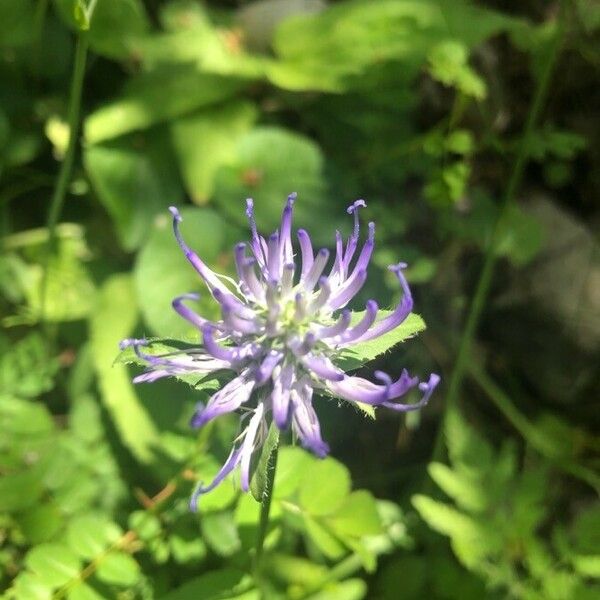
column 470, row 129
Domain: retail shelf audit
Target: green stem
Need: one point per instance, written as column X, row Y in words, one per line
column 265, row 508
column 66, row 168
column 534, row 436
column 485, row 278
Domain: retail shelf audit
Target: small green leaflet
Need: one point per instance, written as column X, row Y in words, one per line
column 359, row 354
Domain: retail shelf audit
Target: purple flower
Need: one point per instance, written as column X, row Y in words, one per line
column 283, row 326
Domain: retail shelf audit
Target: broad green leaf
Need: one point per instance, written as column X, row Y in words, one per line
column 295, row 570
column 54, row 564
column 269, row 164
column 329, row 50
column 19, row 491
column 325, row 486
column 40, row 523
column 225, row 584
column 113, row 319
column 114, row 24
column 357, row 516
column 206, row 140
column 31, row 586
column 322, row 538
column 187, row 546
column 361, row 353
column 90, row 535
column 258, row 485
column 351, row 589
column 136, row 180
column 83, row 591
column 220, row 532
column 161, row 260
column 16, row 22
column 468, row 492
column 588, row 566
column 118, row 568
column 155, row 97
column 292, row 463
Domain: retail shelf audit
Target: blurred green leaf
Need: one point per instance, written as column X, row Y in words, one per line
column 113, row 320
column 82, row 591
column 161, row 260
column 118, row 568
column 136, row 179
column 90, row 535
column 270, row 163
column 111, row 28
column 31, row 586
column 357, row 516
column 28, row 368
column 155, row 97
column 220, row 532
column 40, row 523
column 54, row 564
column 291, row 462
column 206, row 140
column 225, row 584
column 16, row 22
column 351, row 589
column 325, row 486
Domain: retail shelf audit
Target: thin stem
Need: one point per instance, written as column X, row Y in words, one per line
column 533, row 435
column 485, row 278
column 66, row 168
column 266, row 505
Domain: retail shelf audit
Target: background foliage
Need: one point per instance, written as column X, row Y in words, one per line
column 425, row 108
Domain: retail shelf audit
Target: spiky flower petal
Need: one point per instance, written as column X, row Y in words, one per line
column 282, row 327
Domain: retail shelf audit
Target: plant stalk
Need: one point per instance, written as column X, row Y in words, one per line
column 66, row 168
column 485, row 278
column 265, row 508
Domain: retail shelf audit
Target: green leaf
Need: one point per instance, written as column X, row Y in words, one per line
column 472, row 540
column 118, row 568
column 588, row 566
column 206, row 140
column 113, row 320
column 220, row 533
column 292, row 462
column 324, row 487
column 258, row 485
column 20, row 490
column 31, row 587
column 90, row 535
column 111, row 28
column 82, row 591
column 357, row 516
column 225, row 584
column 269, row 164
column 465, row 446
column 28, row 369
column 359, row 354
column 155, row 97
column 136, row 179
column 295, row 570
column 322, row 538
column 54, row 564
column 40, row 523
column 351, row 589
column 16, row 22
column 467, row 492
column 161, row 259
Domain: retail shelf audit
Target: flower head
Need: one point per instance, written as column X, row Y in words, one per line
column 283, row 325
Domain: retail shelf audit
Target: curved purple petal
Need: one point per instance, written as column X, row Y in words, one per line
column 226, row 400
column 400, row 312
column 231, row 463
column 248, row 446
column 305, row 422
